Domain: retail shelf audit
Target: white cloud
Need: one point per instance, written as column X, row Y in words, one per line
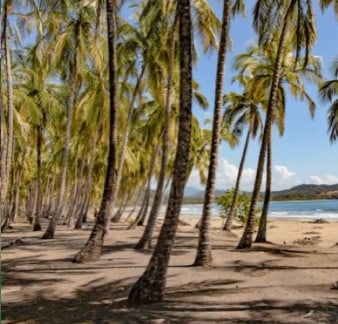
column 282, row 177
column 283, row 172
column 326, row 179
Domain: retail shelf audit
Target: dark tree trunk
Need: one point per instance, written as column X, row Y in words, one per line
column 93, row 248
column 247, row 236
column 203, row 255
column 150, row 286
column 261, row 234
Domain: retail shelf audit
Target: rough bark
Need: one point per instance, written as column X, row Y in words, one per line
column 246, row 239
column 261, row 234
column 203, row 256
column 93, row 248
column 150, row 286
column 8, row 151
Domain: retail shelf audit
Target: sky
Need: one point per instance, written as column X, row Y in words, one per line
column 304, row 154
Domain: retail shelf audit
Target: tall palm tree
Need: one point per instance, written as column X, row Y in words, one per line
column 294, row 19
column 7, row 141
column 327, row 92
column 69, row 54
column 203, row 256
column 255, row 71
column 242, row 110
column 150, row 286
column 93, row 248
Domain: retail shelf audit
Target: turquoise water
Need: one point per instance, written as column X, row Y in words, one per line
column 327, row 209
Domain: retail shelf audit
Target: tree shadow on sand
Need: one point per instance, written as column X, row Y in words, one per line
column 108, row 304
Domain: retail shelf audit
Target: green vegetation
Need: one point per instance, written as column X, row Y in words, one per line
column 242, row 208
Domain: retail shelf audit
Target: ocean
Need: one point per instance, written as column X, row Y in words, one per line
column 327, row 209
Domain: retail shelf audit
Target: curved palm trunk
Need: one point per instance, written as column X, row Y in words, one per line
column 145, row 240
column 246, row 239
column 231, row 214
column 150, row 286
column 93, row 248
column 261, row 234
column 203, row 257
column 50, row 231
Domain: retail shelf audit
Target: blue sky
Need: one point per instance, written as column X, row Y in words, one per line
column 304, row 154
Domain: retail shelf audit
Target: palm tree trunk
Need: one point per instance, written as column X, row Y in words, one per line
column 9, row 143
column 3, row 172
column 261, row 234
column 233, row 207
column 246, row 239
column 150, row 286
column 93, row 248
column 203, row 256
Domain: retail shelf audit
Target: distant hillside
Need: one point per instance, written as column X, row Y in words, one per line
column 300, row 192
column 307, row 191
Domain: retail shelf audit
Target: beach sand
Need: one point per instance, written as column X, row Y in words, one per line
column 286, row 281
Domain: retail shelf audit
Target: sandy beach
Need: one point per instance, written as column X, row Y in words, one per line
column 287, row 281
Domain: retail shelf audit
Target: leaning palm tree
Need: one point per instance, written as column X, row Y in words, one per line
column 203, row 256
column 93, row 248
column 243, row 110
column 327, row 92
column 294, row 21
column 150, row 286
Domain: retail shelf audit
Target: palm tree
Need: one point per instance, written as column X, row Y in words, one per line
column 7, row 146
column 93, row 248
column 70, row 49
column 326, row 3
column 327, row 91
column 203, row 256
column 242, row 110
column 259, row 63
column 295, row 20
column 150, row 286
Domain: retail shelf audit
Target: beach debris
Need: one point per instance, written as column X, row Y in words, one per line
column 14, row 242
column 310, row 313
column 318, row 221
column 308, row 240
column 335, row 285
